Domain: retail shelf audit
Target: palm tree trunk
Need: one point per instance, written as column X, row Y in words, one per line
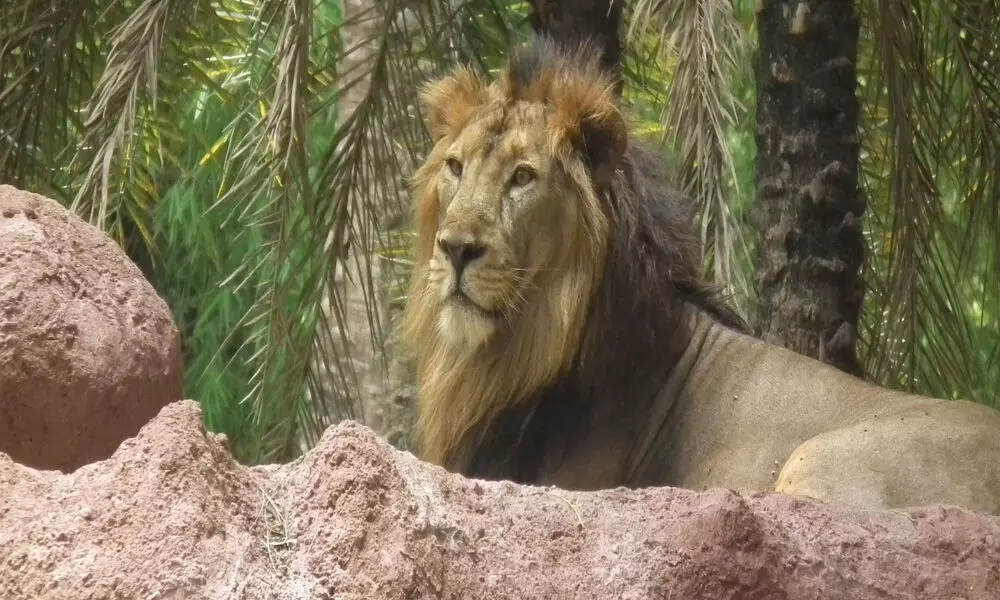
column 571, row 22
column 808, row 211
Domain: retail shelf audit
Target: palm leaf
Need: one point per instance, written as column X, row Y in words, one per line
column 707, row 49
column 49, row 54
column 930, row 141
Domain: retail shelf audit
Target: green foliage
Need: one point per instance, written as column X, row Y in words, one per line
column 930, row 93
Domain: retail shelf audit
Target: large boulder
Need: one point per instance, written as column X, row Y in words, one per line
column 172, row 515
column 88, row 351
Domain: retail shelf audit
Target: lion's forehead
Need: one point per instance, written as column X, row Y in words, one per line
column 507, row 133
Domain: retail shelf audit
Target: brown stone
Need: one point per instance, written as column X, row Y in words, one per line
column 88, row 351
column 172, row 515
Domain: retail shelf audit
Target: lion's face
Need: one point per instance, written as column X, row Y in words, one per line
column 512, row 235
column 505, row 218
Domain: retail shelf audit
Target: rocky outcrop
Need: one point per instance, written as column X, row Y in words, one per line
column 88, row 352
column 171, row 515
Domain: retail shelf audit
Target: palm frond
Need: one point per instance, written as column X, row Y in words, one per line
column 931, row 138
column 123, row 98
column 49, row 55
column 707, row 49
column 272, row 192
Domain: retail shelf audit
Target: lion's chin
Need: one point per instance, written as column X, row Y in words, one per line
column 465, row 325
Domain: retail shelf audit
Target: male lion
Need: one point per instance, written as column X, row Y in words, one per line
column 564, row 337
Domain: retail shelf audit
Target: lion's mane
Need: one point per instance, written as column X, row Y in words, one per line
column 485, row 412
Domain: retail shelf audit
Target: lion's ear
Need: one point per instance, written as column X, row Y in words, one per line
column 450, row 102
column 604, row 145
column 586, row 113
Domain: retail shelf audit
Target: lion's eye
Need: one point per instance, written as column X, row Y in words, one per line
column 523, row 176
column 455, row 167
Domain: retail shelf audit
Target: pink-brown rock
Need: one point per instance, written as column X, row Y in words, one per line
column 88, row 351
column 171, row 515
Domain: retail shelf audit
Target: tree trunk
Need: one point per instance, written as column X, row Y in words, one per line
column 571, row 22
column 808, row 212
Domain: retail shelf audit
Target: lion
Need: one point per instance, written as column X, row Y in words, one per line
column 563, row 335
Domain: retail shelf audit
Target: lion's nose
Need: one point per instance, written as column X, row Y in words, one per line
column 461, row 254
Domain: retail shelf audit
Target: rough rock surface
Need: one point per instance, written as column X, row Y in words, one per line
column 88, row 351
column 171, row 515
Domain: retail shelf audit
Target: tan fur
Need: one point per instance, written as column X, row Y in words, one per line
column 544, row 313
column 752, row 416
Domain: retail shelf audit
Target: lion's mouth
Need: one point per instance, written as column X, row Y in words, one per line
column 461, row 299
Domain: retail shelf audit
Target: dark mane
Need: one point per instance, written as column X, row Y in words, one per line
column 655, row 218
column 652, row 216
column 634, row 332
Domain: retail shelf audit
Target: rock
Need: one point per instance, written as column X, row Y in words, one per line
column 172, row 515
column 88, row 351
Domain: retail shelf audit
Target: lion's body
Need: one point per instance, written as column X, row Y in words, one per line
column 564, row 337
column 753, row 416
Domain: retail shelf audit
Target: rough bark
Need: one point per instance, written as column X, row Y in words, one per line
column 572, row 22
column 808, row 212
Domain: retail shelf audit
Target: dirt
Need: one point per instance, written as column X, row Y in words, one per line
column 88, row 351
